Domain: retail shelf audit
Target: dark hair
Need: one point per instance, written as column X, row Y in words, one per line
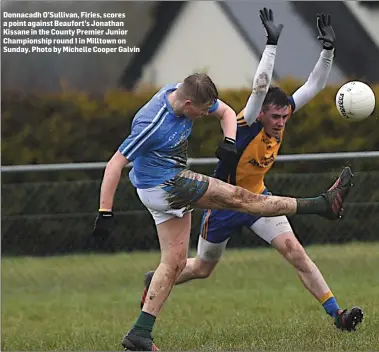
column 199, row 88
column 275, row 96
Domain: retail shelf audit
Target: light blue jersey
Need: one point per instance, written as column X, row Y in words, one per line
column 157, row 144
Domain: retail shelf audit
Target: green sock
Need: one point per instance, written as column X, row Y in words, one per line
column 144, row 324
column 314, row 205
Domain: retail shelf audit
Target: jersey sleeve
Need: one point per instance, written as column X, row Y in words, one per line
column 292, row 104
column 214, row 107
column 241, row 119
column 142, row 139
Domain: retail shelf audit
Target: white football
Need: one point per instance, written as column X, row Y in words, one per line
column 355, row 101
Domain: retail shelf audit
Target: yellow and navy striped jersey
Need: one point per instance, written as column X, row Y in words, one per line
column 256, row 154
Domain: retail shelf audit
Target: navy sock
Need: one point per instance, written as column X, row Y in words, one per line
column 331, row 307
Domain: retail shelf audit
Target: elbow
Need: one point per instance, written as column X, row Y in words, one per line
column 112, row 167
column 112, row 170
column 261, row 83
column 314, row 88
column 321, row 84
column 319, row 87
column 116, row 163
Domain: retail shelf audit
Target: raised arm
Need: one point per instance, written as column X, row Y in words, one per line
column 263, row 74
column 319, row 76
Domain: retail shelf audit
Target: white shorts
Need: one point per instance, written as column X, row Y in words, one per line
column 175, row 197
column 265, row 228
column 155, row 201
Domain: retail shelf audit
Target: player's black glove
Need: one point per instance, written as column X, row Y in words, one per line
column 325, row 29
column 104, row 225
column 272, row 30
column 227, row 151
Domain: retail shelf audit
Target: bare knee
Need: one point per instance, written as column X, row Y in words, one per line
column 235, row 197
column 294, row 252
column 245, row 201
column 221, row 195
column 174, row 263
column 200, row 268
column 202, row 272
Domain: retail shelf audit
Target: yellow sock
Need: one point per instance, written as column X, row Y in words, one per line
column 325, row 297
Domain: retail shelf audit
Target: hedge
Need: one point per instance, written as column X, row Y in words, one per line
column 74, row 127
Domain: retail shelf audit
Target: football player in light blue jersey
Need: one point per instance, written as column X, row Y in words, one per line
column 159, row 140
column 157, row 146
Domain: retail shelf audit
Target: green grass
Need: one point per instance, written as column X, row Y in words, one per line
column 253, row 301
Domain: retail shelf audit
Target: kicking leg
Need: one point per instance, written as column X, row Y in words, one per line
column 221, row 195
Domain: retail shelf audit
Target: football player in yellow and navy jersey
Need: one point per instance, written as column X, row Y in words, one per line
column 260, row 132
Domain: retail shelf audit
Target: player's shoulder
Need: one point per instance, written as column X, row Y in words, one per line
column 241, row 122
column 157, row 105
column 159, row 98
column 170, row 87
column 241, row 119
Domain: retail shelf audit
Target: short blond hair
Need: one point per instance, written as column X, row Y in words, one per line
column 198, row 88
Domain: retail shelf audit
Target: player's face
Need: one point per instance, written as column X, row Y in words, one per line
column 193, row 111
column 274, row 119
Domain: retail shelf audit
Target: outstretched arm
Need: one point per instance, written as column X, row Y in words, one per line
column 261, row 84
column 263, row 75
column 320, row 74
column 316, row 81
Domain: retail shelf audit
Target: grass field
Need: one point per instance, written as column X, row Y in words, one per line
column 253, row 301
